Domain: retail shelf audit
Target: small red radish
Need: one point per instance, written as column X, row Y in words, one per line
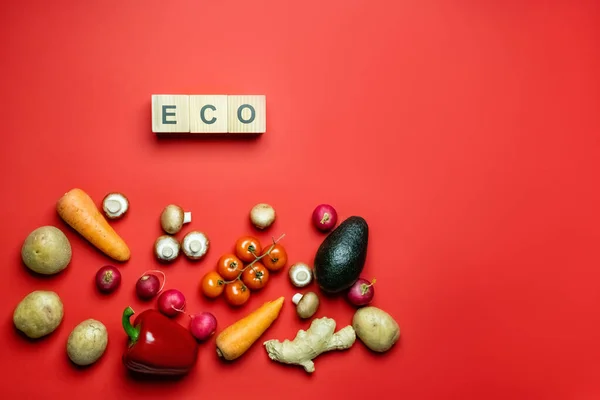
column 148, row 285
column 203, row 325
column 324, row 217
column 171, row 302
column 362, row 292
column 108, row 278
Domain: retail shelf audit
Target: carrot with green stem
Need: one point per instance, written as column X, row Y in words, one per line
column 80, row 212
column 237, row 338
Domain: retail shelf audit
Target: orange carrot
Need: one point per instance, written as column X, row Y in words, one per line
column 78, row 210
column 237, row 338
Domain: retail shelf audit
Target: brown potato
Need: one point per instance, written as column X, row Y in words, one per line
column 46, row 250
column 375, row 328
column 39, row 313
column 87, row 342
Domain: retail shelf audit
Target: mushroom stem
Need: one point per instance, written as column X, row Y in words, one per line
column 113, row 206
column 307, row 305
column 297, row 297
column 300, row 274
column 195, row 246
column 187, row 217
column 166, row 248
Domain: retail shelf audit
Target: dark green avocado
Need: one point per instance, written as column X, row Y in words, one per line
column 341, row 257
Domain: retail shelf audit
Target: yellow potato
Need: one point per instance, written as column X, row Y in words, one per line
column 87, row 342
column 375, row 328
column 39, row 313
column 46, row 250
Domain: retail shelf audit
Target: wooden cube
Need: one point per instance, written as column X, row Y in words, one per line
column 208, row 113
column 170, row 113
column 246, row 114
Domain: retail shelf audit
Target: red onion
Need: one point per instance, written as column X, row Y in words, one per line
column 171, row 302
column 148, row 285
column 362, row 292
column 108, row 278
column 203, row 325
column 324, row 217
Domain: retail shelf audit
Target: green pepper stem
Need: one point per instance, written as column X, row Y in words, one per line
column 132, row 332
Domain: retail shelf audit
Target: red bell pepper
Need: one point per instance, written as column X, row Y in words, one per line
column 158, row 345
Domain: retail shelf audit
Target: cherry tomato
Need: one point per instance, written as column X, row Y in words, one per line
column 255, row 276
column 247, row 248
column 212, row 285
column 276, row 259
column 236, row 293
column 229, row 266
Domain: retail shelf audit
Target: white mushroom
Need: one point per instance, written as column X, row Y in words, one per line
column 115, row 205
column 195, row 245
column 306, row 305
column 166, row 248
column 173, row 217
column 262, row 215
column 300, row 274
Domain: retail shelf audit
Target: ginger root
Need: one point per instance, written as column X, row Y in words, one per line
column 307, row 345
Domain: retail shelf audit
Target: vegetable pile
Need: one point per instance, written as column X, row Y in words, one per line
column 161, row 344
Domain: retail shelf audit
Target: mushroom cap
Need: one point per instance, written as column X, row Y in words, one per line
column 300, row 274
column 115, row 205
column 262, row 215
column 308, row 305
column 166, row 248
column 171, row 219
column 195, row 244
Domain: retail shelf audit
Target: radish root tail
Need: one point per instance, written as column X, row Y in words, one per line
column 163, row 276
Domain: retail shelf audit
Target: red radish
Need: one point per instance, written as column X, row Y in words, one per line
column 324, row 217
column 362, row 292
column 171, row 302
column 203, row 325
column 108, row 278
column 149, row 285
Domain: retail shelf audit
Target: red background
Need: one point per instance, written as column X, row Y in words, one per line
column 466, row 133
